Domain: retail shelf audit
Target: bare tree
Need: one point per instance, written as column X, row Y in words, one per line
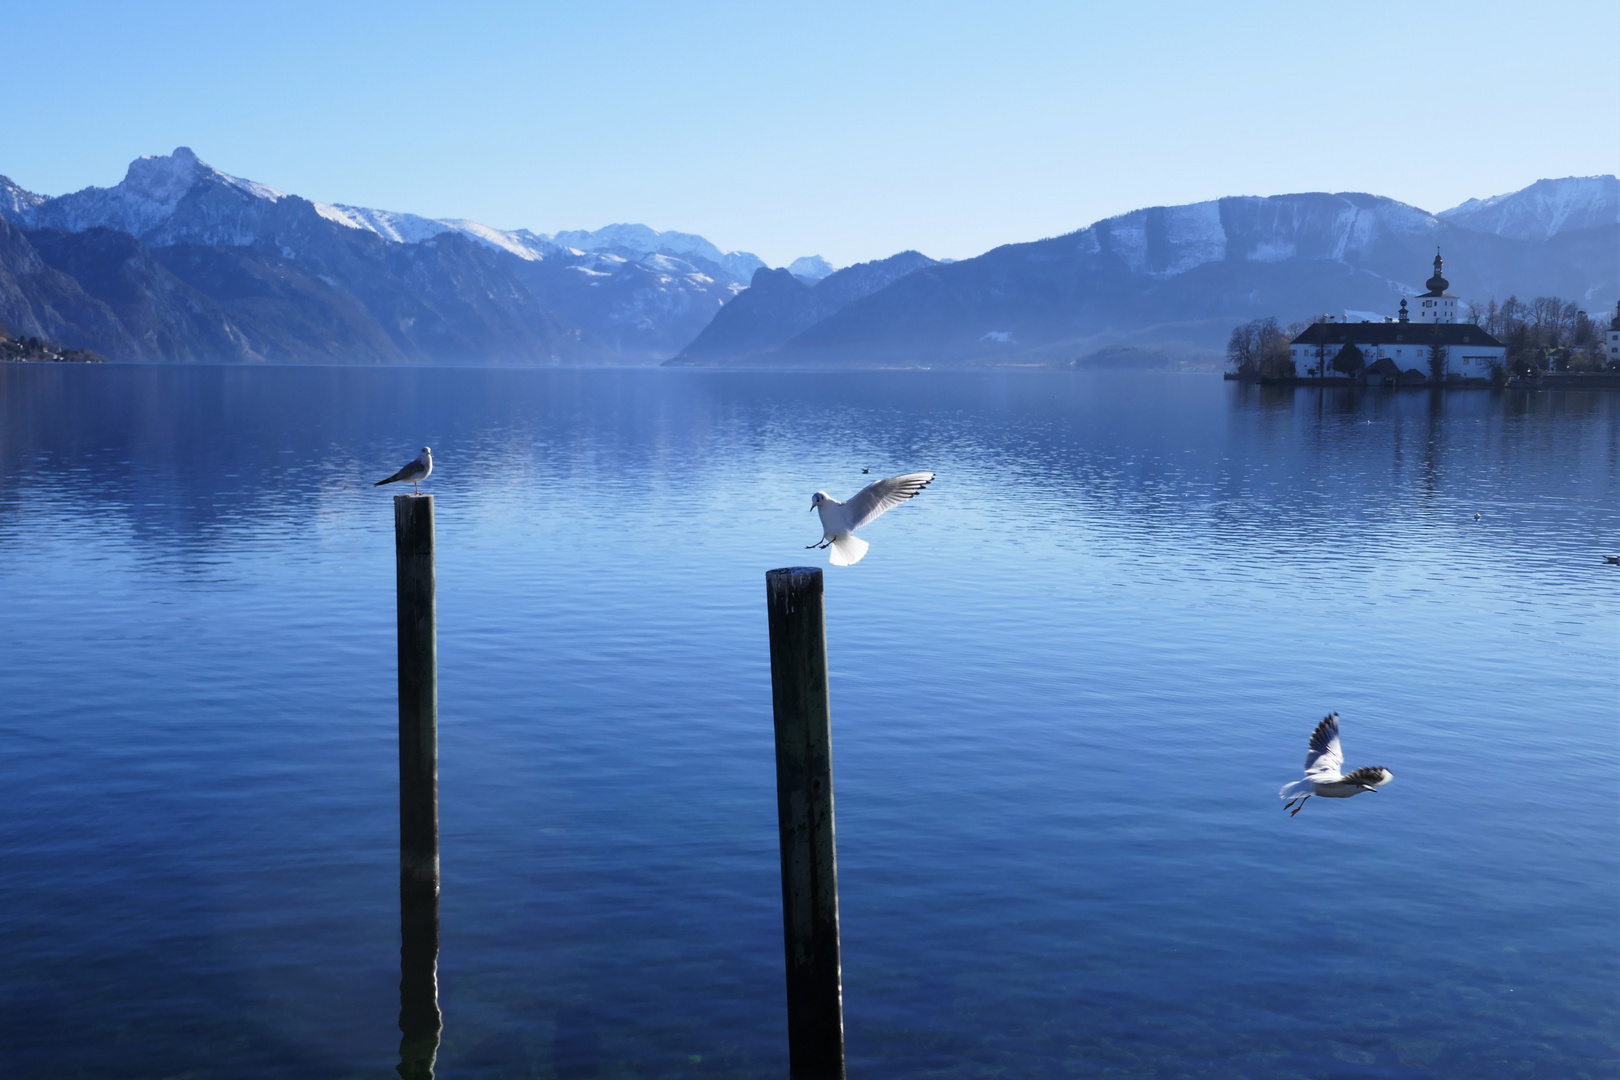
column 1545, row 314
column 1242, row 351
column 1275, row 359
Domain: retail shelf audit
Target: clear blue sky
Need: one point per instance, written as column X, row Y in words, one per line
column 849, row 130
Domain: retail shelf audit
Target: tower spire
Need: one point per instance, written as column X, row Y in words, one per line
column 1437, row 284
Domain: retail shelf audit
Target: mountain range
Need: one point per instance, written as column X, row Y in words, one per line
column 1172, row 281
column 183, row 262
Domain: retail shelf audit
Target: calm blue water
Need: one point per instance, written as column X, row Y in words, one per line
column 1067, row 683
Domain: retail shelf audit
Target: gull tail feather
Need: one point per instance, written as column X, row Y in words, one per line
column 847, row 551
column 1296, row 789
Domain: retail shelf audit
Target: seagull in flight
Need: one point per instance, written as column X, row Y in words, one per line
column 414, row 472
column 839, row 520
column 1322, row 777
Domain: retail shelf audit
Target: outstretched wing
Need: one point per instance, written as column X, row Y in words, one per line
column 881, row 495
column 1372, row 776
column 1325, row 758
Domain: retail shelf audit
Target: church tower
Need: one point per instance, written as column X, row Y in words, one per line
column 1436, row 305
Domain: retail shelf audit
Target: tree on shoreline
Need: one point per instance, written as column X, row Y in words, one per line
column 1259, row 350
column 1349, row 361
column 1545, row 334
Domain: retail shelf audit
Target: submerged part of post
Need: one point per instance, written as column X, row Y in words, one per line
column 420, row 1021
column 804, row 808
column 419, row 1017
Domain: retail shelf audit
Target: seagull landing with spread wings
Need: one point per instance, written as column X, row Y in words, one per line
column 839, row 520
column 413, row 473
column 1322, row 776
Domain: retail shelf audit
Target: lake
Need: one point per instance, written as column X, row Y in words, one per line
column 1067, row 683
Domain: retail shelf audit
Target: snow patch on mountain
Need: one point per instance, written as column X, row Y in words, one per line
column 400, row 228
column 1166, row 241
column 643, row 240
column 16, row 203
column 1545, row 208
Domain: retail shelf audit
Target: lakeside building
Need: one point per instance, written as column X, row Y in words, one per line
column 1614, row 336
column 1407, row 341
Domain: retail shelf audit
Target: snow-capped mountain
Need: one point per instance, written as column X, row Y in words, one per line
column 178, row 198
column 638, row 240
column 629, row 291
column 1544, row 209
column 222, row 209
column 810, row 268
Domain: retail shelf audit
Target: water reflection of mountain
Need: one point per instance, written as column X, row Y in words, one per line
column 209, row 457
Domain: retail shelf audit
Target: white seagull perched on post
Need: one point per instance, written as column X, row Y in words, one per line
column 414, row 472
column 1322, row 764
column 839, row 520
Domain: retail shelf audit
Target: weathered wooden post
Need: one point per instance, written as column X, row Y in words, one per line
column 420, row 1021
column 804, row 811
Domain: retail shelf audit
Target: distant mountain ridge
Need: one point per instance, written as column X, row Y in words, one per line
column 624, row 293
column 781, row 303
column 1176, row 279
column 183, row 262
column 1544, row 209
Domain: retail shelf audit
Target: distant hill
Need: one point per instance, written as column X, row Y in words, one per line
column 781, row 303
column 1125, row 358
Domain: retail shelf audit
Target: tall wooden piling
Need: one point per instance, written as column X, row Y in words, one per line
column 804, row 810
column 420, row 1021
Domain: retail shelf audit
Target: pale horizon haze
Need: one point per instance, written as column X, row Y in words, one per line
column 849, row 131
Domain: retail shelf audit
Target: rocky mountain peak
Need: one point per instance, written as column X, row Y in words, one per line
column 1545, row 208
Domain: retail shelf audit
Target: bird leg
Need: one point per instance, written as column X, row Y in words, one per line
column 1301, row 805
column 1289, row 805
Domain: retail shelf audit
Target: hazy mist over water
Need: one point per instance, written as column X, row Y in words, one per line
column 1068, row 681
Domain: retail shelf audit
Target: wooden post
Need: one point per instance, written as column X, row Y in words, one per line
column 804, row 811
column 419, row 1018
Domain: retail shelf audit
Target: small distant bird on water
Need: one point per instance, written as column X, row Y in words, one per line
column 1322, row 777
column 1476, row 515
column 840, row 520
column 413, row 473
column 1612, row 560
column 866, row 470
